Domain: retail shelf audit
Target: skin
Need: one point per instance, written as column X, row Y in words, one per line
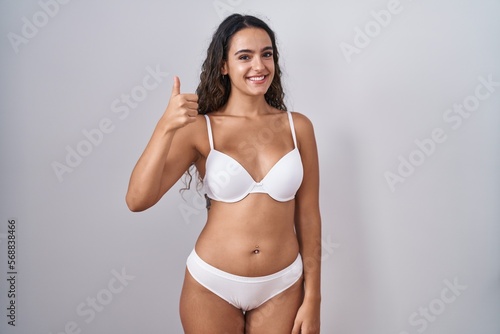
column 257, row 136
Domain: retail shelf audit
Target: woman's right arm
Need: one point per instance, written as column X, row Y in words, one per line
column 168, row 154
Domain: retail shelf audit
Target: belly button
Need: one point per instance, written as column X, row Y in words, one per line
column 256, row 250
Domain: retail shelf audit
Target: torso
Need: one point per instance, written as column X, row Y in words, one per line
column 254, row 236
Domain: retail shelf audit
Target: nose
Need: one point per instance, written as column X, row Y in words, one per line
column 257, row 63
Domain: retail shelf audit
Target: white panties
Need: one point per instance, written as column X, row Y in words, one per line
column 245, row 293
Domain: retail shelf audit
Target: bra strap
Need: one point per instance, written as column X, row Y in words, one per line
column 292, row 128
column 209, row 128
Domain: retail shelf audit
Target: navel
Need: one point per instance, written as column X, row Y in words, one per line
column 256, row 250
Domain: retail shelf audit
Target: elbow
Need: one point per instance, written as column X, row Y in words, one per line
column 140, row 199
column 133, row 208
column 134, row 204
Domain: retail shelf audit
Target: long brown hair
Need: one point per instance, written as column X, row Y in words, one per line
column 214, row 89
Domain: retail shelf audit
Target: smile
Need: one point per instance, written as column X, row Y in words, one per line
column 259, row 79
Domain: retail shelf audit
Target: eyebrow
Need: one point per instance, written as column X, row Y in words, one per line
column 251, row 51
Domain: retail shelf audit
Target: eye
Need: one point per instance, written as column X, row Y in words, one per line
column 268, row 54
column 243, row 57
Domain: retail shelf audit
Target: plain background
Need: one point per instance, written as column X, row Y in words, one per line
column 387, row 253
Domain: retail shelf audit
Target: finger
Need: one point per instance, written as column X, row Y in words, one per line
column 296, row 328
column 176, row 89
column 190, row 118
column 192, row 105
column 191, row 97
column 192, row 112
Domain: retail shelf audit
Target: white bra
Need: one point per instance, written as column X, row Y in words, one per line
column 227, row 181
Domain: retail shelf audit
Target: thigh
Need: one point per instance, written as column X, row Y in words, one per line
column 203, row 312
column 277, row 315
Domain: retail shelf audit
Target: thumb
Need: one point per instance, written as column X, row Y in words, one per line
column 176, row 89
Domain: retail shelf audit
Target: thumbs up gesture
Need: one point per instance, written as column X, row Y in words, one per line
column 182, row 108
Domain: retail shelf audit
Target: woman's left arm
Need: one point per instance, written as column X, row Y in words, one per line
column 308, row 228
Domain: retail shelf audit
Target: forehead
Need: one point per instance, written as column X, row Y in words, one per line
column 250, row 38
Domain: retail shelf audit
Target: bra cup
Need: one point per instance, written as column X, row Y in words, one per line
column 282, row 182
column 225, row 178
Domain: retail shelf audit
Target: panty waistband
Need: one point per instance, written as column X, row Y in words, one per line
column 296, row 267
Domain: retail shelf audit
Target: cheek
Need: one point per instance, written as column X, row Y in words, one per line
column 239, row 69
column 270, row 65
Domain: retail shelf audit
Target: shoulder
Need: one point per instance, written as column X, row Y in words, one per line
column 306, row 140
column 303, row 125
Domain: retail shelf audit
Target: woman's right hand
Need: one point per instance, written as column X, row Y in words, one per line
column 162, row 164
column 181, row 110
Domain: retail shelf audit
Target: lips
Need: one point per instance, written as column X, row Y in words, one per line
column 258, row 79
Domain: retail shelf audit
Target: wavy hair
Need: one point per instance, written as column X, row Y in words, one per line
column 214, row 88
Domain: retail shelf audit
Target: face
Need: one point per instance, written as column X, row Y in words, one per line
column 250, row 63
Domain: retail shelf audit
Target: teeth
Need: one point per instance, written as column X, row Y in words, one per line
column 257, row 78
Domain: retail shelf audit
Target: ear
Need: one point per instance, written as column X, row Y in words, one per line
column 224, row 69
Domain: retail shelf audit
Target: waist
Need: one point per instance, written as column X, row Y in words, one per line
column 247, row 263
column 295, row 266
column 248, row 248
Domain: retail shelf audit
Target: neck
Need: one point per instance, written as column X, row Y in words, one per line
column 244, row 105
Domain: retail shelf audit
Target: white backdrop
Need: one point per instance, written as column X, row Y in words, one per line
column 405, row 99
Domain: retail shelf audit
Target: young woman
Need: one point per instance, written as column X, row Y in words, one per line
column 256, row 265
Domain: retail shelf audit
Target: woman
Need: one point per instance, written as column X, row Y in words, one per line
column 255, row 267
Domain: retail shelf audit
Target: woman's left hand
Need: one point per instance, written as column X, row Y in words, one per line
column 307, row 320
